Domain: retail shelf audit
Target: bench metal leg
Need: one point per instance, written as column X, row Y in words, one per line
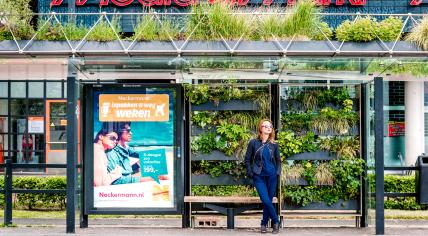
column 230, row 218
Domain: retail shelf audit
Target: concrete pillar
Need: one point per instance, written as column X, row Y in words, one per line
column 414, row 120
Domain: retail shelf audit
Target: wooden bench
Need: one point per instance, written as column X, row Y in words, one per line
column 214, row 203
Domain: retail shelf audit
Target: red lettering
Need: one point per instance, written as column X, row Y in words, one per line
column 80, row 2
column 291, row 2
column 415, row 2
column 185, row 3
column 340, row 2
column 324, row 2
column 56, row 2
column 357, row 2
column 267, row 2
column 122, row 3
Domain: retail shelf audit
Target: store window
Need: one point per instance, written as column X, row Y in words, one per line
column 54, row 89
column 3, row 89
column 32, row 123
column 35, row 89
column 18, row 89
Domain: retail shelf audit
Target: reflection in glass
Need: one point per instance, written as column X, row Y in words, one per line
column 58, row 126
column 17, row 89
column 3, row 89
column 35, row 89
column 18, row 107
column 53, row 89
column 3, row 107
column 36, row 107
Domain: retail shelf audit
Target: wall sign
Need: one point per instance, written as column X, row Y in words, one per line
column 185, row 3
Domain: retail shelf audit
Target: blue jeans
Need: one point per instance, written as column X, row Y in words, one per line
column 266, row 187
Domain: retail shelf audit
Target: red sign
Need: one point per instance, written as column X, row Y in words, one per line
column 396, row 129
column 185, row 3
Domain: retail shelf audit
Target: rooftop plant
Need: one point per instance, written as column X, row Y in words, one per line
column 214, row 21
column 299, row 21
column 419, row 34
column 149, row 28
column 16, row 16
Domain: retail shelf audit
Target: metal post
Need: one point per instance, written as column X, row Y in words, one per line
column 8, row 193
column 72, row 113
column 379, row 158
column 186, row 218
column 230, row 218
column 365, row 121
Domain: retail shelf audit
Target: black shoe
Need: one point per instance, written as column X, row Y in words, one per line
column 263, row 229
column 275, row 228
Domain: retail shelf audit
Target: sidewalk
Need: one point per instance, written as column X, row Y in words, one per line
column 172, row 227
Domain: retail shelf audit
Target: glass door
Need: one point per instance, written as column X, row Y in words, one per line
column 56, row 134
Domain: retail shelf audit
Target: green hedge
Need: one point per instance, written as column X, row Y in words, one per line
column 393, row 183
column 398, row 184
column 31, row 201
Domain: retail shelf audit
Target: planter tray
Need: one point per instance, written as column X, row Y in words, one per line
column 212, row 156
column 232, row 105
column 321, row 156
column 340, row 205
column 220, row 180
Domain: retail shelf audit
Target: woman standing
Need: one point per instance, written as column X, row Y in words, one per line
column 105, row 139
column 263, row 163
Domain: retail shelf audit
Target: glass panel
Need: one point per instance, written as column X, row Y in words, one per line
column 36, row 107
column 17, row 89
column 3, row 89
column 18, row 107
column 65, row 90
column 3, row 107
column 58, row 125
column 18, row 125
column 53, row 89
column 3, row 138
column 35, row 89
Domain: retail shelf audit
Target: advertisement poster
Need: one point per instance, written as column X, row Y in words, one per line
column 396, row 128
column 133, row 149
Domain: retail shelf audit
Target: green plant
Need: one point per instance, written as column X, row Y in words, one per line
column 216, row 21
column 17, row 17
column 204, row 143
column 292, row 174
column 289, row 144
column 300, row 21
column 103, row 32
column 221, row 190
column 217, row 168
column 361, row 30
column 54, row 31
column 322, row 32
column 197, row 94
column 389, row 29
column 203, row 118
column 419, row 34
column 323, row 174
column 233, row 137
column 340, row 121
column 346, row 146
column 148, row 28
column 297, row 122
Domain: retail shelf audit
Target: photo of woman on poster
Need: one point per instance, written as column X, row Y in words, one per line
column 126, row 157
column 105, row 139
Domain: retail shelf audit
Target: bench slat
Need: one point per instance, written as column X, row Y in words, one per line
column 216, row 199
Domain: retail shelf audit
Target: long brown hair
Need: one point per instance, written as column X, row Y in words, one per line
column 259, row 129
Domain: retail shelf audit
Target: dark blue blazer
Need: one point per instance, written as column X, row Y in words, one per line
column 254, row 160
